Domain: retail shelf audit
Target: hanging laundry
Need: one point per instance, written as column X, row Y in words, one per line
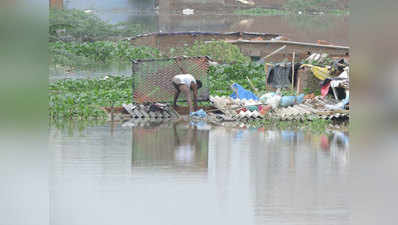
column 325, row 86
column 280, row 75
column 319, row 72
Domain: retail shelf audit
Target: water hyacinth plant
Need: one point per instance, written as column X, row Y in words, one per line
column 84, row 98
column 81, row 54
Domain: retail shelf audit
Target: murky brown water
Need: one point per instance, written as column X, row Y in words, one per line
column 181, row 174
column 169, row 18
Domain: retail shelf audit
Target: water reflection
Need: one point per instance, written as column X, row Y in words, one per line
column 177, row 147
column 183, row 174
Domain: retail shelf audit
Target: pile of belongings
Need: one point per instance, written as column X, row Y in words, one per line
column 338, row 85
column 311, row 108
column 275, row 105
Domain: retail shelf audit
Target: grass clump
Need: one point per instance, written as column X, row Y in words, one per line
column 83, row 98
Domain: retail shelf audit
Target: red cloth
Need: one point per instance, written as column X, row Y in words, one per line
column 325, row 89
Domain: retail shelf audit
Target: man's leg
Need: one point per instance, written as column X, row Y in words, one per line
column 187, row 93
column 176, row 94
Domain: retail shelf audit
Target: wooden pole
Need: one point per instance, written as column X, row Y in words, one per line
column 294, row 55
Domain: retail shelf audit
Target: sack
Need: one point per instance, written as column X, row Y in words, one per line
column 291, row 100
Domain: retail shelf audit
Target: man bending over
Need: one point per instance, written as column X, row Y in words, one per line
column 185, row 83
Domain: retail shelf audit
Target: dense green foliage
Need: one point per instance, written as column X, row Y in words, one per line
column 222, row 76
column 77, row 25
column 82, row 54
column 219, row 51
column 78, row 54
column 83, row 99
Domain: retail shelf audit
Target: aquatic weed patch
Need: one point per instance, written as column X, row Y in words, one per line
column 84, row 98
column 82, row 54
column 316, row 6
column 289, row 12
column 314, row 125
column 262, row 12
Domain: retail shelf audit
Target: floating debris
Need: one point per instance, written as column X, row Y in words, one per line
column 187, row 11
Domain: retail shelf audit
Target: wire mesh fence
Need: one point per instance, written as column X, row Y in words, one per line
column 152, row 78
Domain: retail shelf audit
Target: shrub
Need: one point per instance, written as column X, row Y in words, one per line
column 77, row 25
column 221, row 77
column 219, row 51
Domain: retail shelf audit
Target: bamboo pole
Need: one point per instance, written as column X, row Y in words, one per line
column 252, row 86
column 274, row 52
column 294, row 55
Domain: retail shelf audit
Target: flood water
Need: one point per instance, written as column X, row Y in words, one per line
column 178, row 173
column 168, row 18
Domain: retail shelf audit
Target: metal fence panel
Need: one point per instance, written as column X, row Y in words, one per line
column 152, row 78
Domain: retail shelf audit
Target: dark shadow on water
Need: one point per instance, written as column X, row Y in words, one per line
column 178, row 146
